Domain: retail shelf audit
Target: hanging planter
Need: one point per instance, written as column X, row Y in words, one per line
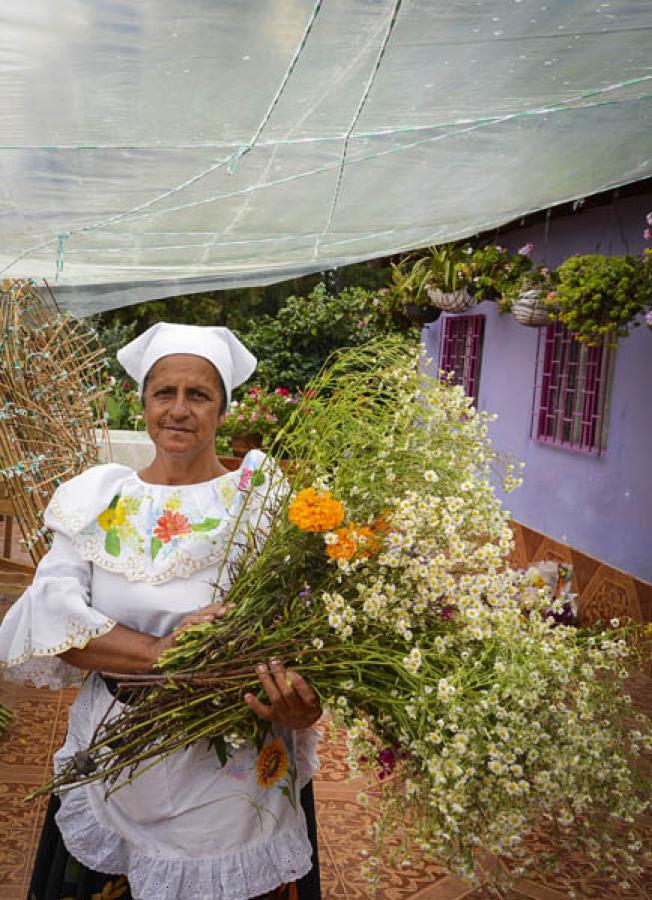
column 421, row 315
column 531, row 309
column 451, row 301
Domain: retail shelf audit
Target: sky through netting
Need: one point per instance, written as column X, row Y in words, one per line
column 161, row 146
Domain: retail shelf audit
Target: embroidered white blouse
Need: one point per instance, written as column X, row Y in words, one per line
column 144, row 555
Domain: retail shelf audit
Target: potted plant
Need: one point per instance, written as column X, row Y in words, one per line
column 532, row 302
column 495, row 272
column 452, row 278
column 460, row 276
column 598, row 296
column 255, row 420
column 407, row 295
column 449, row 274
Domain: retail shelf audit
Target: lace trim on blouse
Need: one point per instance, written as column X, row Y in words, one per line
column 77, row 635
column 256, row 869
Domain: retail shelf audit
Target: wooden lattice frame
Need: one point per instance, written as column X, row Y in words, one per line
column 50, row 402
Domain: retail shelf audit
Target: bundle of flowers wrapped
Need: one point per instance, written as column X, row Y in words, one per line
column 383, row 580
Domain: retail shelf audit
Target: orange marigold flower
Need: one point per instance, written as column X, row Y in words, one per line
column 272, row 763
column 314, row 511
column 171, row 524
column 353, row 540
column 381, row 525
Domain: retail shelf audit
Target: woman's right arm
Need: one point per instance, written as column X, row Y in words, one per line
column 120, row 650
column 53, row 630
column 133, row 652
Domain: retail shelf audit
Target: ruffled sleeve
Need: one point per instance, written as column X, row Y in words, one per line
column 52, row 616
column 306, row 741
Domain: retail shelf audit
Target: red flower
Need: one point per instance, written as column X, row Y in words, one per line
column 171, row 524
column 245, row 478
column 282, row 391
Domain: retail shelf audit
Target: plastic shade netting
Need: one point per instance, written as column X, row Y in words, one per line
column 164, row 146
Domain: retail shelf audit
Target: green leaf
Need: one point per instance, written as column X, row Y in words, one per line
column 154, row 547
column 112, row 542
column 114, row 409
column 219, row 746
column 206, row 525
column 114, row 502
column 257, row 478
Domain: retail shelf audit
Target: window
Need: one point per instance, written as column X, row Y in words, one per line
column 572, row 389
column 461, row 351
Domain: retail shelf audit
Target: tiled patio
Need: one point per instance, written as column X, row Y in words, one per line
column 38, row 729
column 39, row 726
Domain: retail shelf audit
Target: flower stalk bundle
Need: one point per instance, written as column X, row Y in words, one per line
column 377, row 568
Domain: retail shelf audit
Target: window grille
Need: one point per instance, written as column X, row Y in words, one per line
column 572, row 391
column 461, row 351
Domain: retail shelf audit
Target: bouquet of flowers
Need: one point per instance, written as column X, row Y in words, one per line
column 379, row 572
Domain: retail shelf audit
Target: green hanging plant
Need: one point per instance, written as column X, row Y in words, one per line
column 598, row 296
column 540, row 279
column 495, row 272
column 487, row 273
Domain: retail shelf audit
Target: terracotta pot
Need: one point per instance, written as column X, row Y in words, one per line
column 243, row 443
column 530, row 309
column 451, row 301
column 421, row 315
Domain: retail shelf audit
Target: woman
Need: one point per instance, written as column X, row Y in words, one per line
column 133, row 559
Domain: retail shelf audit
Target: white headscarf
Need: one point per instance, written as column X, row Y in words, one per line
column 212, row 342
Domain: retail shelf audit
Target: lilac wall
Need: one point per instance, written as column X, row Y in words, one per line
column 602, row 506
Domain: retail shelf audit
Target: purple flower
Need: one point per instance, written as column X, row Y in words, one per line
column 526, row 249
column 387, row 759
column 647, row 234
column 648, row 218
column 448, row 612
column 648, row 318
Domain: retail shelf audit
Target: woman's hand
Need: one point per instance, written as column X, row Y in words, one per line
column 210, row 613
column 293, row 703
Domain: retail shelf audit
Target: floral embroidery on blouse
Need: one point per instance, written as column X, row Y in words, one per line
column 169, row 525
column 275, row 767
column 156, row 532
column 272, row 763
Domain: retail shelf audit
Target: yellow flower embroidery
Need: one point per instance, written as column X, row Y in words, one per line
column 174, row 501
column 272, row 763
column 112, row 517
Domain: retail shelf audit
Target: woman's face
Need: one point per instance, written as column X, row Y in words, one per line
column 182, row 404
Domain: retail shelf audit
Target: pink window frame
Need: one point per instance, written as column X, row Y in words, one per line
column 572, row 391
column 461, row 351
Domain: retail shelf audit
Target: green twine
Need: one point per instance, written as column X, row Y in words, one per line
column 61, row 240
column 354, row 120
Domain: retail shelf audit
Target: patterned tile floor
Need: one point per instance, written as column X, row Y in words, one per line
column 38, row 729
